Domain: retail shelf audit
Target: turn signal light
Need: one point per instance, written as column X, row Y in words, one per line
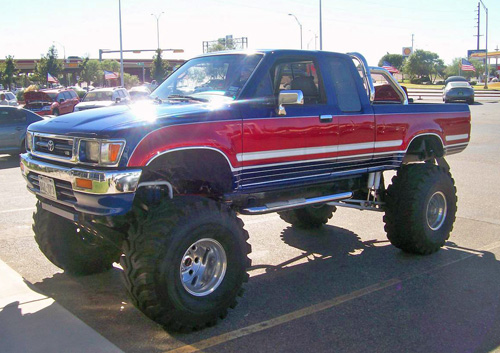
column 84, row 183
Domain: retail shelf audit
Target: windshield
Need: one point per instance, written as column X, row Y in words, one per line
column 209, row 77
column 98, row 96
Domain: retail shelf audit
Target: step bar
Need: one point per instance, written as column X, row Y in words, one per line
column 296, row 203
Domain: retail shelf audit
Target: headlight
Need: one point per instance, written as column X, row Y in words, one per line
column 100, row 152
column 29, row 141
column 45, row 108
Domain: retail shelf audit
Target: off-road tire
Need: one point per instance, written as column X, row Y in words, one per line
column 308, row 217
column 156, row 249
column 71, row 248
column 420, row 209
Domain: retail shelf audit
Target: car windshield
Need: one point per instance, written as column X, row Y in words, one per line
column 98, row 96
column 208, row 78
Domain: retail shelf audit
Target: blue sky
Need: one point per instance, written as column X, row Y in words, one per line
column 371, row 27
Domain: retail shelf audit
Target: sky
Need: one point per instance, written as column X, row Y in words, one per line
column 370, row 27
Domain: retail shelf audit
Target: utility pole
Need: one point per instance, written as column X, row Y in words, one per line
column 478, row 23
column 320, row 28
column 487, row 65
column 412, row 42
column 122, row 81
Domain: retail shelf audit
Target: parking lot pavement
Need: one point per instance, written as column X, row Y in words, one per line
column 342, row 288
column 32, row 322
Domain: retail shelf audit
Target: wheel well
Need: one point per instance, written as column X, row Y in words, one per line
column 198, row 171
column 423, row 148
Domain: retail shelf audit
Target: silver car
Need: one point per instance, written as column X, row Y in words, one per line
column 10, row 97
column 458, row 91
column 13, row 124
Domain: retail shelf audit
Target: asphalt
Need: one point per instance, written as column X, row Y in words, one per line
column 33, row 322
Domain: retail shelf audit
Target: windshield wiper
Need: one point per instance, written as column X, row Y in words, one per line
column 188, row 98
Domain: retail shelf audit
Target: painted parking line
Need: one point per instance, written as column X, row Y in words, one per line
column 19, row 210
column 245, row 331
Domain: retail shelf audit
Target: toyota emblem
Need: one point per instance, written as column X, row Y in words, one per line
column 50, row 145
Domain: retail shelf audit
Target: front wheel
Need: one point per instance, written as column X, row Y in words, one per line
column 185, row 262
column 421, row 204
column 71, row 248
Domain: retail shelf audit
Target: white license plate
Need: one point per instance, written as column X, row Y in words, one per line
column 47, row 187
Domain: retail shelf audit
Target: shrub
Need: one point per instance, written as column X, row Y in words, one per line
column 20, row 95
column 416, row 81
column 473, row 83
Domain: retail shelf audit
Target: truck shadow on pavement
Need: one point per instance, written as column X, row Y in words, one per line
column 445, row 302
column 7, row 161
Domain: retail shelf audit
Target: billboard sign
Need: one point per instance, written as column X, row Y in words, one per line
column 474, row 51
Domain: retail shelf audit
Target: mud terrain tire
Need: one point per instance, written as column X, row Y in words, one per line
column 308, row 217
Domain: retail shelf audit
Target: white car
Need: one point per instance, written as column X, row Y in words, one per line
column 10, row 97
column 103, row 97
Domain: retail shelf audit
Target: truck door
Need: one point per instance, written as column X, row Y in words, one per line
column 355, row 116
column 299, row 147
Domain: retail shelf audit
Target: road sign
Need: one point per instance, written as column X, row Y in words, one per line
column 139, row 64
column 407, row 51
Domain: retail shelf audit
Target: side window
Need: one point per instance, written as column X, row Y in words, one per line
column 11, row 116
column 299, row 75
column 72, row 94
column 9, row 95
column 345, row 87
column 67, row 95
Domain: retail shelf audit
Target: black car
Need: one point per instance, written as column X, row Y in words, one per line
column 13, row 124
column 455, row 79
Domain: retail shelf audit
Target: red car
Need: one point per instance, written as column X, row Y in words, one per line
column 51, row 101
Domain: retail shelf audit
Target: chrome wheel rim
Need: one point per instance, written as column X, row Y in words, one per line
column 203, row 267
column 436, row 210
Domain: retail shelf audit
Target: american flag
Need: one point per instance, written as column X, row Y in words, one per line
column 467, row 66
column 109, row 75
column 51, row 79
column 387, row 65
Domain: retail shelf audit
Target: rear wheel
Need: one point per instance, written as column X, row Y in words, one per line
column 420, row 211
column 71, row 248
column 185, row 262
column 308, row 217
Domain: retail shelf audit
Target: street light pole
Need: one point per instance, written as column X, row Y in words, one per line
column 121, row 47
column 64, row 48
column 158, row 27
column 320, row 27
column 487, row 65
column 300, row 25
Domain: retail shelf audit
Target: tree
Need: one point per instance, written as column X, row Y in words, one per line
column 9, row 71
column 130, row 80
column 48, row 64
column 222, row 44
column 423, row 63
column 90, row 71
column 395, row 60
column 159, row 67
column 110, row 65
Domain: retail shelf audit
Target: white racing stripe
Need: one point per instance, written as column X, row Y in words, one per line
column 295, row 152
column 456, row 137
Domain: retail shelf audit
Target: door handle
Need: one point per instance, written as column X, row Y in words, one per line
column 326, row 118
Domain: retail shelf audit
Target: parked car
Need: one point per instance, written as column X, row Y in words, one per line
column 51, row 101
column 13, row 124
column 458, row 91
column 139, row 93
column 103, row 97
column 10, row 97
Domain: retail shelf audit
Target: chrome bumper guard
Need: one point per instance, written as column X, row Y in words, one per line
column 103, row 182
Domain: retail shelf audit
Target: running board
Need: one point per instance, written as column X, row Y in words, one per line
column 296, row 203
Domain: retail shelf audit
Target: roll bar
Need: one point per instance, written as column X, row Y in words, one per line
column 370, row 88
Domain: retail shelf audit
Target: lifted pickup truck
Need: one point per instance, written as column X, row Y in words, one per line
column 158, row 186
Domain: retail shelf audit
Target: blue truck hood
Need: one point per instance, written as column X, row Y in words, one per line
column 108, row 122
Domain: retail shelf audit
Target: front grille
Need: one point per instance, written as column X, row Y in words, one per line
column 64, row 190
column 56, row 146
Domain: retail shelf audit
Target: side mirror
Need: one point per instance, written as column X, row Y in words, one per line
column 289, row 97
column 118, row 100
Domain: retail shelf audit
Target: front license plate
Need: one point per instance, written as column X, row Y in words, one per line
column 47, row 187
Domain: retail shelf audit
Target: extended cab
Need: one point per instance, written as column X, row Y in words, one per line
column 159, row 185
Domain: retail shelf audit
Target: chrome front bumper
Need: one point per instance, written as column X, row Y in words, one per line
column 103, row 182
column 111, row 193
